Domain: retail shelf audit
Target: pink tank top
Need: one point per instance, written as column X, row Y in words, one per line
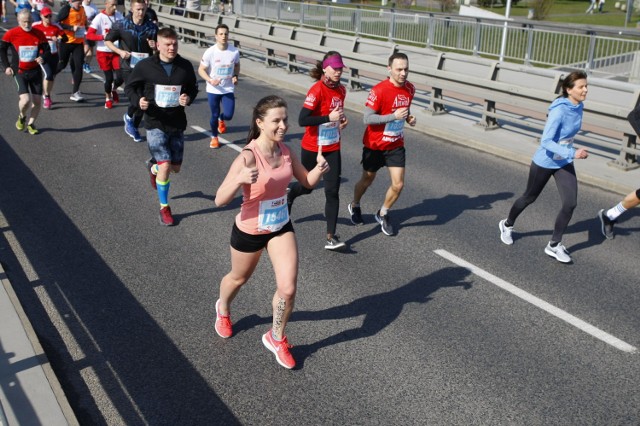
column 264, row 204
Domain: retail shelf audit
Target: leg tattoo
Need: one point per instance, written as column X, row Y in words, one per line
column 277, row 319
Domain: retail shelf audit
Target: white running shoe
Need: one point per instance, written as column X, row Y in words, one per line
column 559, row 252
column 505, row 232
column 77, row 97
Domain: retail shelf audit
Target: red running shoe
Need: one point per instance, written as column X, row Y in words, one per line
column 221, row 127
column 115, row 96
column 280, row 350
column 108, row 104
column 223, row 324
column 150, row 162
column 165, row 216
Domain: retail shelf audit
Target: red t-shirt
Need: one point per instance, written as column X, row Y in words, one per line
column 52, row 32
column 27, row 45
column 384, row 99
column 321, row 100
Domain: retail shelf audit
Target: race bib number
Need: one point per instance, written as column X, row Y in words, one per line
column 137, row 57
column 28, row 53
column 224, row 71
column 273, row 214
column 167, row 96
column 566, row 143
column 80, row 32
column 53, row 45
column 328, row 133
column 394, row 128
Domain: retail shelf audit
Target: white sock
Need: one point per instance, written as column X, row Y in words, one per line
column 614, row 212
column 383, row 211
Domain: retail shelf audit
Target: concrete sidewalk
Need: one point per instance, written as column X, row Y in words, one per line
column 30, row 393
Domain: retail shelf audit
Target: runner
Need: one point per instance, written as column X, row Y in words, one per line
column 32, row 51
column 555, row 158
column 323, row 117
column 73, row 21
column 108, row 61
column 387, row 110
column 163, row 85
column 89, row 45
column 263, row 170
column 219, row 67
column 136, row 35
column 53, row 33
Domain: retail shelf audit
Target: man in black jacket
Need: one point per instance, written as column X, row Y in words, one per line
column 162, row 86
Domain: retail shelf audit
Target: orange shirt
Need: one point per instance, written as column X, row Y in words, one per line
column 76, row 18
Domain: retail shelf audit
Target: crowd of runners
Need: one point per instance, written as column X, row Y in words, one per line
column 142, row 59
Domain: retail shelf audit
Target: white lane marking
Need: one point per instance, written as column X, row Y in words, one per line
column 220, row 139
column 557, row 312
column 18, row 252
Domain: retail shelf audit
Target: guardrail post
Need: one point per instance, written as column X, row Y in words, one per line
column 527, row 55
column 488, row 121
column 436, row 108
column 392, row 25
column 354, row 76
column 476, row 37
column 590, row 55
column 292, row 60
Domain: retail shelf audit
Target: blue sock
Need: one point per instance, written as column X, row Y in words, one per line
column 163, row 192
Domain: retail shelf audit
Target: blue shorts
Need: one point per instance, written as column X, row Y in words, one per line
column 166, row 147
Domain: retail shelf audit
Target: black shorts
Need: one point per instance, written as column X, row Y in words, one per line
column 373, row 159
column 90, row 43
column 248, row 243
column 29, row 81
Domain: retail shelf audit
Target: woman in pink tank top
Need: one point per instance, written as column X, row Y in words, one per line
column 263, row 170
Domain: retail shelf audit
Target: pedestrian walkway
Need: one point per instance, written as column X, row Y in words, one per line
column 30, row 393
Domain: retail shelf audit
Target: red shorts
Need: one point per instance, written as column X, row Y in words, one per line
column 108, row 61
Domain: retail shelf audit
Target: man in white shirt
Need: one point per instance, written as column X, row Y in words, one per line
column 219, row 67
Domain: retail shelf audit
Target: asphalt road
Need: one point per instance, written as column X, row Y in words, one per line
column 440, row 324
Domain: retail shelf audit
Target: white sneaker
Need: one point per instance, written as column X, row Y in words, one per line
column 77, row 97
column 505, row 232
column 559, row 252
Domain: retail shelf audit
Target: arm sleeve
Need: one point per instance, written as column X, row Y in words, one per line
column 4, row 47
column 306, row 119
column 135, row 86
column 370, row 117
column 93, row 35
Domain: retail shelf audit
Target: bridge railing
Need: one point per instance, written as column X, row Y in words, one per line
column 492, row 91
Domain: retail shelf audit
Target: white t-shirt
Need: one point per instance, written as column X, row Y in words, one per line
column 102, row 23
column 90, row 10
column 220, row 64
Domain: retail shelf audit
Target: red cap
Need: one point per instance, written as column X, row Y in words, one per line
column 45, row 11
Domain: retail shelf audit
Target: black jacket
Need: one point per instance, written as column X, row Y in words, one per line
column 146, row 75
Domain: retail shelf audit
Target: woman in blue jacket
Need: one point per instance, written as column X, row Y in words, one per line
column 555, row 158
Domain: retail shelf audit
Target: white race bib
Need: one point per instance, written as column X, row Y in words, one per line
column 53, row 45
column 564, row 143
column 28, row 53
column 394, row 128
column 167, row 96
column 137, row 57
column 328, row 133
column 224, row 71
column 273, row 214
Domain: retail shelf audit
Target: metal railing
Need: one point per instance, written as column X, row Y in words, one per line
column 600, row 51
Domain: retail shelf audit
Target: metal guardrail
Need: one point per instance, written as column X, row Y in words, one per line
column 490, row 90
column 601, row 52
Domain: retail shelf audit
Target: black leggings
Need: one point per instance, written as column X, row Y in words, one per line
column 111, row 84
column 567, row 184
column 75, row 52
column 331, row 184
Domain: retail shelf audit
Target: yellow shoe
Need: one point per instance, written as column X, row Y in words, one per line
column 31, row 128
column 214, row 143
column 20, row 123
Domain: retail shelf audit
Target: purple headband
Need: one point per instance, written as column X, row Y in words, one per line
column 334, row 62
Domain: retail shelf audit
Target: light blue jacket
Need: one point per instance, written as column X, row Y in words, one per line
column 556, row 144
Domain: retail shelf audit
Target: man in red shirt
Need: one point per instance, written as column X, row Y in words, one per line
column 386, row 112
column 30, row 50
column 53, row 33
